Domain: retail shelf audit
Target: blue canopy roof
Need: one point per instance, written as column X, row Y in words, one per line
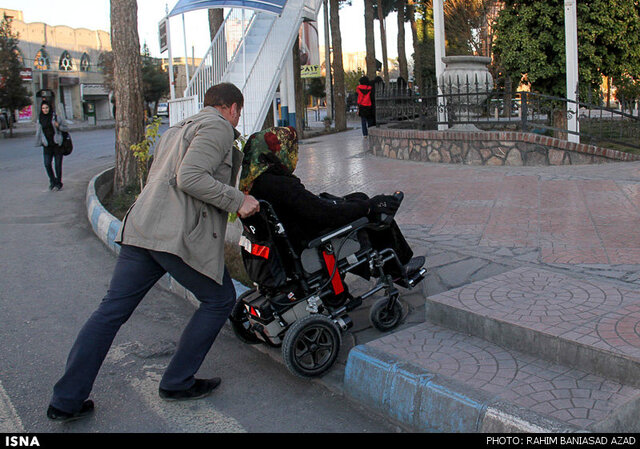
column 274, row 6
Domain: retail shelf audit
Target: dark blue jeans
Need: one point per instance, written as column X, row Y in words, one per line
column 50, row 155
column 365, row 126
column 136, row 271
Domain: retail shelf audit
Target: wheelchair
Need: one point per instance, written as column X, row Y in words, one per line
column 300, row 301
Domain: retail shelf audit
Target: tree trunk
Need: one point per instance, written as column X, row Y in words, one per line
column 383, row 40
column 127, row 74
column 417, row 55
column 338, row 69
column 216, row 17
column 402, row 54
column 369, row 38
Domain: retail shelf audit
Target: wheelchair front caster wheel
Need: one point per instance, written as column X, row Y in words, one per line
column 386, row 314
column 311, row 345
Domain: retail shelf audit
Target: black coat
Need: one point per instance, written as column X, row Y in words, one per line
column 304, row 215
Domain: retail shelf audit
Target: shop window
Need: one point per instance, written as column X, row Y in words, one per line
column 85, row 63
column 66, row 63
column 41, row 61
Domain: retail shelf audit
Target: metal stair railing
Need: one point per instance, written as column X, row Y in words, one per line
column 264, row 76
column 261, row 76
column 227, row 41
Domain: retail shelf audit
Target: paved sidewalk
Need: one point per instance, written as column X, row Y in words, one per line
column 528, row 319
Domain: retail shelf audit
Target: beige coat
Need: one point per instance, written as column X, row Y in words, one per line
column 190, row 190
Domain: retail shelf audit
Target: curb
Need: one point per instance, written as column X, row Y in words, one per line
column 425, row 402
column 106, row 227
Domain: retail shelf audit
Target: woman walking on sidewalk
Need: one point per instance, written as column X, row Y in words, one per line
column 49, row 136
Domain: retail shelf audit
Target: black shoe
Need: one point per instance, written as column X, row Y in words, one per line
column 58, row 186
column 200, row 389
column 51, row 186
column 60, row 416
column 414, row 265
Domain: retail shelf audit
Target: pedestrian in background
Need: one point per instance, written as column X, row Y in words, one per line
column 177, row 226
column 49, row 135
column 365, row 104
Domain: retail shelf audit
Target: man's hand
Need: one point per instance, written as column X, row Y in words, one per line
column 249, row 206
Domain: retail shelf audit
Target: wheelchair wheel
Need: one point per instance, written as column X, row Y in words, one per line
column 240, row 322
column 311, row 346
column 385, row 314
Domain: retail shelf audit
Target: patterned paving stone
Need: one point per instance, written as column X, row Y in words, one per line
column 592, row 317
column 573, row 396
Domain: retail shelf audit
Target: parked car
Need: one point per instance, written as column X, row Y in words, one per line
column 163, row 110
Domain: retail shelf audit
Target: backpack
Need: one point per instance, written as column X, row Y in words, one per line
column 364, row 95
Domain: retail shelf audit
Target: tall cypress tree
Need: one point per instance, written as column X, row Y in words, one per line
column 13, row 94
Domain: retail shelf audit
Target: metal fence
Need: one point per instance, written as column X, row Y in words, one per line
column 490, row 107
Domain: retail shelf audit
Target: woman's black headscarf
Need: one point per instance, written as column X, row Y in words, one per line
column 46, row 122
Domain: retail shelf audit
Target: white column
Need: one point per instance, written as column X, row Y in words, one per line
column 284, row 93
column 186, row 56
column 438, row 25
column 172, row 83
column 571, row 48
column 291, row 90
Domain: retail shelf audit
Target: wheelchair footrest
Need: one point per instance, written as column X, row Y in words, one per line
column 413, row 280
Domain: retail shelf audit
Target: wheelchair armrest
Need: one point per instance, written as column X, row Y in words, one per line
column 360, row 222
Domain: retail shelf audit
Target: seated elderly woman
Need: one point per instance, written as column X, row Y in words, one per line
column 270, row 158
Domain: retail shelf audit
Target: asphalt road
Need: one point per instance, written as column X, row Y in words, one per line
column 54, row 273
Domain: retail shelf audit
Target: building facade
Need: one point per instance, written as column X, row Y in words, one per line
column 61, row 65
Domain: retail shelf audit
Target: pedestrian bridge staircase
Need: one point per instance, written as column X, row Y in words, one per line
column 249, row 50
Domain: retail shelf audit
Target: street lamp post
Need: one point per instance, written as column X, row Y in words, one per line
column 438, row 28
column 571, row 48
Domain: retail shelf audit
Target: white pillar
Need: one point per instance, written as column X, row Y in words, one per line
column 291, row 90
column 571, row 48
column 439, row 42
column 186, row 56
column 172, row 83
column 284, row 93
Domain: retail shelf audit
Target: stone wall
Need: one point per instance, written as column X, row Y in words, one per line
column 486, row 148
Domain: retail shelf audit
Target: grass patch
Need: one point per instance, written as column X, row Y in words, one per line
column 118, row 205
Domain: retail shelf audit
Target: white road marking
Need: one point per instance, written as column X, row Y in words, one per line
column 10, row 422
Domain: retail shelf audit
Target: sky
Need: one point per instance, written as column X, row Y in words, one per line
column 95, row 15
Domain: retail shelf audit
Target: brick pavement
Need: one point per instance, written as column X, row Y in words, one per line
column 532, row 295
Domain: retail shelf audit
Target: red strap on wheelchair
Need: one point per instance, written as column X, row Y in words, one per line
column 260, row 251
column 336, row 282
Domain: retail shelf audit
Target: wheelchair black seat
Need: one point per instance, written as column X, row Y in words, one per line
column 301, row 299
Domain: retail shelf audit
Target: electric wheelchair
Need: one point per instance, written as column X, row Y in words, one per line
column 301, row 301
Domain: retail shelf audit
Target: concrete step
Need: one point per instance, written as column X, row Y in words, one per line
column 433, row 379
column 590, row 325
column 528, row 350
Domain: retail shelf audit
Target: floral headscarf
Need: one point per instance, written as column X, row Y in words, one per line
column 266, row 148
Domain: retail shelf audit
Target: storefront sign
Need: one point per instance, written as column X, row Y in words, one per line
column 26, row 74
column 93, row 90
